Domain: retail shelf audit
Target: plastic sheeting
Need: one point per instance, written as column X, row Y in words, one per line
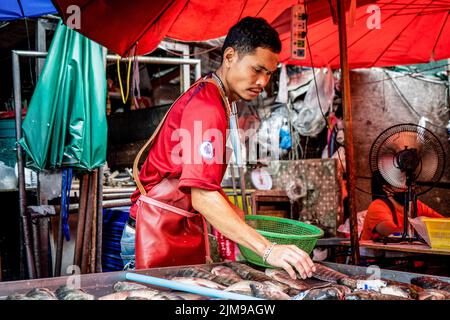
column 309, row 118
column 65, row 125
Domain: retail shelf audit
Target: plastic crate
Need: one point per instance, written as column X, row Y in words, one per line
column 281, row 231
column 439, row 232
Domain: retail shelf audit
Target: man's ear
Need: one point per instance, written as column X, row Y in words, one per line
column 229, row 55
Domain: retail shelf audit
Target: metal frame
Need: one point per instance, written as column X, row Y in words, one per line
column 16, row 54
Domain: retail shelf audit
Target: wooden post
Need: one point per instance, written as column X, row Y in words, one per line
column 347, row 108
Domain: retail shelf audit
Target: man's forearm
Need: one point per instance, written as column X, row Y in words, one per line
column 216, row 209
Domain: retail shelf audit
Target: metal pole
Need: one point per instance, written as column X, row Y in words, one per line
column 349, row 154
column 40, row 45
column 98, row 263
column 198, row 71
column 20, row 166
column 110, row 57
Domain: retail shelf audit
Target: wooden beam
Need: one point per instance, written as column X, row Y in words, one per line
column 347, row 107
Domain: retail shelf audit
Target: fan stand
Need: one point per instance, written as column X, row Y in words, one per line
column 409, row 210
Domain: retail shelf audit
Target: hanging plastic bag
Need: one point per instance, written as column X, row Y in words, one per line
column 309, row 120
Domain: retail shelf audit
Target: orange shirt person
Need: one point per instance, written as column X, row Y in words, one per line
column 380, row 220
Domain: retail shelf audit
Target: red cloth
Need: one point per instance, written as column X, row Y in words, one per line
column 379, row 211
column 199, row 113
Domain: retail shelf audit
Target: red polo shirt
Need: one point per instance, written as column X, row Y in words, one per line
column 191, row 144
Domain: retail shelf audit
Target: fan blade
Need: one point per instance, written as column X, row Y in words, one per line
column 390, row 173
column 429, row 165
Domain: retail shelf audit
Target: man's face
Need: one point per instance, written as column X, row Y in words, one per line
column 248, row 74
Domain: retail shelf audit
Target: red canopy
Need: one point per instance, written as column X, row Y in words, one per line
column 119, row 25
column 412, row 31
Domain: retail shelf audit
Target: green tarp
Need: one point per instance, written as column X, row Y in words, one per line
column 65, row 125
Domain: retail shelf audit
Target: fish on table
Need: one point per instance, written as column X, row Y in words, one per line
column 299, row 285
column 34, row 294
column 127, row 285
column 199, row 282
column 248, row 273
column 226, row 275
column 433, row 294
column 146, row 294
column 331, row 292
column 327, row 274
column 431, row 283
column 267, row 290
column 195, row 272
column 371, row 295
column 70, row 293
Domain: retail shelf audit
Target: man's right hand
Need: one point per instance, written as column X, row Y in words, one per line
column 289, row 257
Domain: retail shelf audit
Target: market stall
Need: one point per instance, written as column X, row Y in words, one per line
column 309, row 193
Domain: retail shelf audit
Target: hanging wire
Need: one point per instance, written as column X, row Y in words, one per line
column 124, row 98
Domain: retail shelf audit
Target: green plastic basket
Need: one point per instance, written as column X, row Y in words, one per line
column 281, row 231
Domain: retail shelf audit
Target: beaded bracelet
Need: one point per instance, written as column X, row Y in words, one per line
column 268, row 251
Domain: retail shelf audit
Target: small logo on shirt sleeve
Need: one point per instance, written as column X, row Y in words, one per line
column 206, row 150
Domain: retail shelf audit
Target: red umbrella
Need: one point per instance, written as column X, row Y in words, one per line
column 119, row 25
column 410, row 32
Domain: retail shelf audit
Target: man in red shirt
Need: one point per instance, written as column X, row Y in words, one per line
column 249, row 58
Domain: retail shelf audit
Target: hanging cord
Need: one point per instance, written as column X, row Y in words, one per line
column 65, row 201
column 124, row 98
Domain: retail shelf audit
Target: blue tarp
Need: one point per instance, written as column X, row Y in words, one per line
column 17, row 9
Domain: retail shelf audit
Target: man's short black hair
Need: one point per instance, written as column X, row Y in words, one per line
column 251, row 33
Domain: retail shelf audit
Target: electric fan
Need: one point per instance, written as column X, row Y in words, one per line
column 411, row 159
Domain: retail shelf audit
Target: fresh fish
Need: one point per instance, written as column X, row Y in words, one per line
column 19, row 296
column 371, row 295
column 70, row 293
column 395, row 291
column 267, row 290
column 332, row 292
column 188, row 296
column 195, row 272
column 431, row 283
column 283, row 277
column 199, row 282
column 433, row 294
column 248, row 273
column 123, row 295
column 226, row 275
column 127, row 285
column 41, row 294
column 348, row 282
column 136, row 298
column 242, row 287
column 161, row 296
column 327, row 274
column 34, row 294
